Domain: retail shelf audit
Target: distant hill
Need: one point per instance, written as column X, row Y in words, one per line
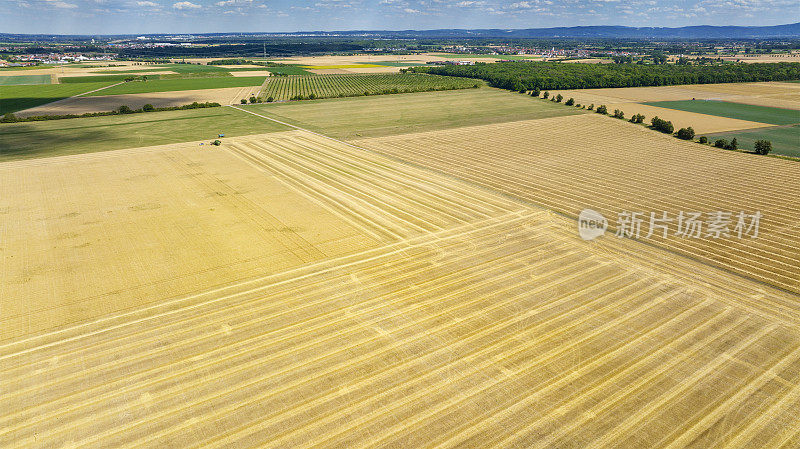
column 618, row 32
column 689, row 32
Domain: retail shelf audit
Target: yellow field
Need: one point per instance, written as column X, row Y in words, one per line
column 589, row 161
column 290, row 290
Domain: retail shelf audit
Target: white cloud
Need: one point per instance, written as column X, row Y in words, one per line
column 61, row 5
column 469, row 3
column 233, row 2
column 146, row 4
column 521, row 5
column 411, row 11
column 186, row 5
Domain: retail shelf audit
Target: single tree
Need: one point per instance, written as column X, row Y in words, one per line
column 559, row 97
column 570, row 102
column 703, row 139
column 148, row 108
column 685, row 133
column 763, row 146
column 721, row 143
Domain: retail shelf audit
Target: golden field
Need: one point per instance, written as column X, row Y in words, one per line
column 291, row 290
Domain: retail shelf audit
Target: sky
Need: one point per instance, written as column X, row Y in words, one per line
column 207, row 16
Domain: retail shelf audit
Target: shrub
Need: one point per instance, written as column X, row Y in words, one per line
column 619, row 114
column 124, row 110
column 148, row 108
column 763, row 146
column 734, row 145
column 243, row 101
column 685, row 133
column 602, row 109
column 252, row 99
column 535, row 92
column 637, row 118
column 216, row 142
column 662, row 125
column 721, row 143
column 570, row 102
column 270, row 100
column 591, row 107
column 546, row 94
column 703, row 139
column 559, row 97
column 8, row 118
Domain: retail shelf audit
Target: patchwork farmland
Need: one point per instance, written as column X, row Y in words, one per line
column 386, row 270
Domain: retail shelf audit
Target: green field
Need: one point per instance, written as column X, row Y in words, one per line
column 33, row 67
column 97, row 78
column 86, row 135
column 785, row 139
column 24, row 79
column 178, row 68
column 331, row 86
column 741, row 111
column 374, row 116
column 168, row 85
column 17, row 98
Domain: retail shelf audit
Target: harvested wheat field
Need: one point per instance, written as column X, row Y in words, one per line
column 291, row 290
column 590, row 161
column 775, row 94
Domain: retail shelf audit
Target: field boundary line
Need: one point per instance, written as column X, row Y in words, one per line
column 92, row 91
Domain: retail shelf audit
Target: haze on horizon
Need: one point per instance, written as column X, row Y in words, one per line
column 206, row 16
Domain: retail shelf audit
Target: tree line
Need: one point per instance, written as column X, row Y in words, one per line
column 525, row 76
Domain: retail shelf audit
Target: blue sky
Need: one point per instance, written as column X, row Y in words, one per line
column 198, row 16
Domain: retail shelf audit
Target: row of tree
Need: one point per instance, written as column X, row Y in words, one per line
column 658, row 124
column 124, row 109
column 526, row 76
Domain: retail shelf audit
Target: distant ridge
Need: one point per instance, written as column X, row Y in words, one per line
column 621, row 32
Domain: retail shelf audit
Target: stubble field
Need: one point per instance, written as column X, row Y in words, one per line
column 588, row 161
